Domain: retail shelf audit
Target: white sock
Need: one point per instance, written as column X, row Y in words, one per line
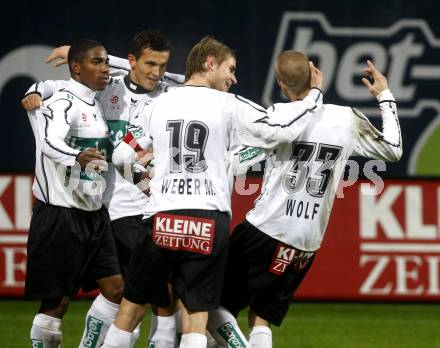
column 162, row 331
column 135, row 335
column 193, row 340
column 117, row 338
column 46, row 331
column 98, row 320
column 223, row 326
column 178, row 317
column 260, row 337
column 211, row 342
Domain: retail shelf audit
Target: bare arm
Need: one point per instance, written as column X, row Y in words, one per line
column 58, row 56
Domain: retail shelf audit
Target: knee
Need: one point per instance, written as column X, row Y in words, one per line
column 56, row 307
column 112, row 289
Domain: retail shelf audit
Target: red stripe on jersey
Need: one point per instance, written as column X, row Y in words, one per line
column 131, row 140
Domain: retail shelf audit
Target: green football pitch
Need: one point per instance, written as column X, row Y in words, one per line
column 306, row 325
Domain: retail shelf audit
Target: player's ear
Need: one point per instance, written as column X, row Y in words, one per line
column 131, row 60
column 75, row 66
column 283, row 87
column 210, row 63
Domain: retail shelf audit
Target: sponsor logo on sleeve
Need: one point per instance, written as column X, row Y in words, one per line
column 249, row 154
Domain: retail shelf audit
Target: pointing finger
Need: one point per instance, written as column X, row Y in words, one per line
column 367, row 83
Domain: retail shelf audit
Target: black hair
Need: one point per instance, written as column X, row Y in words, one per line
column 152, row 39
column 79, row 48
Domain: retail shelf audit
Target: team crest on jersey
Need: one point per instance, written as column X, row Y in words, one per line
column 188, row 233
column 147, row 101
column 114, row 103
column 85, row 121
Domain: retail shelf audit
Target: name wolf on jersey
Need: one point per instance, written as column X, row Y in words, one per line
column 188, row 187
column 394, row 51
column 301, row 209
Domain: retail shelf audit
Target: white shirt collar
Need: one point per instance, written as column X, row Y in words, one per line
column 81, row 91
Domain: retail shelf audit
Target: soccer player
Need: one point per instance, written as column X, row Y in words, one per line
column 191, row 129
column 273, row 249
column 126, row 203
column 70, row 243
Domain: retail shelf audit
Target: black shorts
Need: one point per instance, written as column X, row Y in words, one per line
column 197, row 274
column 68, row 249
column 127, row 231
column 262, row 273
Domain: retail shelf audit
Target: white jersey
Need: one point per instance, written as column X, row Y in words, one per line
column 67, row 123
column 192, row 129
column 121, row 197
column 301, row 178
column 120, row 97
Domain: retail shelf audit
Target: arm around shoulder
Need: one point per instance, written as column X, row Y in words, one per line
column 54, row 122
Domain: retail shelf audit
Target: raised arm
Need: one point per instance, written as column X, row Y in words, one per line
column 281, row 123
column 372, row 143
column 58, row 56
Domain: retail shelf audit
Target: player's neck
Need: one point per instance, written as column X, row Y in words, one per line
column 300, row 96
column 198, row 80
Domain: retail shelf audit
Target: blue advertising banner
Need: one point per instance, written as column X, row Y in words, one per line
column 402, row 38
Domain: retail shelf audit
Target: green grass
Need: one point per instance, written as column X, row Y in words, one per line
column 425, row 164
column 307, row 325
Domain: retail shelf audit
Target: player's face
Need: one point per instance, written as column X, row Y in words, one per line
column 149, row 68
column 94, row 70
column 224, row 76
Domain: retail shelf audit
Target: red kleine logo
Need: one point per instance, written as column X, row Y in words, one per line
column 287, row 256
column 114, row 99
column 188, row 233
column 281, row 259
column 84, row 117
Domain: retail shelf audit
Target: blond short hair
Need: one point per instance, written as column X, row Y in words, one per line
column 208, row 46
column 292, row 68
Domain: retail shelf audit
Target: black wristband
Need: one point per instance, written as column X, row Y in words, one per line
column 33, row 92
